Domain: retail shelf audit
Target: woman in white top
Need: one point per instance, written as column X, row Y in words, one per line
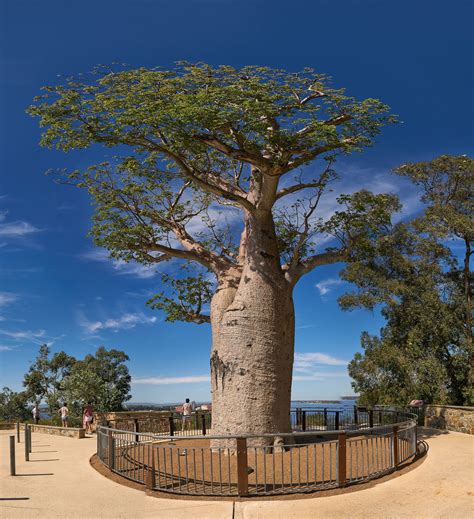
column 64, row 412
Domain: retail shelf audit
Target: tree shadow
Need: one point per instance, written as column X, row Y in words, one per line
column 42, row 474
column 53, row 459
column 426, row 432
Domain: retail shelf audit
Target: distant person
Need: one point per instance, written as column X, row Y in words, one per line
column 64, row 412
column 36, row 414
column 87, row 418
column 187, row 414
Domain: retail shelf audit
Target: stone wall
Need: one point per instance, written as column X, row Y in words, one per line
column 146, row 421
column 452, row 418
column 70, row 432
column 4, row 426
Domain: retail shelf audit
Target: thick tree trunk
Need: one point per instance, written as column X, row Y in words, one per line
column 252, row 349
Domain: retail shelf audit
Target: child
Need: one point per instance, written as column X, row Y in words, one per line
column 64, row 412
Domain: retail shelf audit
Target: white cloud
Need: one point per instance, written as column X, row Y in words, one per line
column 38, row 337
column 124, row 322
column 3, row 347
column 306, row 362
column 121, row 266
column 327, row 285
column 12, row 229
column 165, row 381
column 319, row 376
column 7, row 297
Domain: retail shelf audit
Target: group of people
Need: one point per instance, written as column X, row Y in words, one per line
column 87, row 416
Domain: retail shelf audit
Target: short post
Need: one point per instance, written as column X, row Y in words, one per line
column 18, row 432
column 12, row 456
column 27, row 452
column 356, row 416
column 29, row 438
column 203, row 416
column 171, row 421
column 371, row 418
column 111, row 450
column 341, row 459
column 303, row 420
column 395, row 447
column 336, row 421
column 150, row 473
column 136, row 429
column 325, row 417
column 242, row 467
column 380, row 417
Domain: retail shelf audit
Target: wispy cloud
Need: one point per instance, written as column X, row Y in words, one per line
column 120, row 266
column 319, row 376
column 4, row 347
column 165, row 381
column 307, row 362
column 327, row 285
column 14, row 229
column 7, row 298
column 124, row 322
column 38, row 337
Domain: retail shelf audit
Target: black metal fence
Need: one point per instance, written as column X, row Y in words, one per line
column 314, row 457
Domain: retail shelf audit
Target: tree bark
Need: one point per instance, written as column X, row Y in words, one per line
column 253, row 344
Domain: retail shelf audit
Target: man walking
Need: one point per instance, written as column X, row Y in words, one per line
column 187, row 414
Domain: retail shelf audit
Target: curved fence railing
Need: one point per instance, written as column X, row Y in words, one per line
column 310, row 460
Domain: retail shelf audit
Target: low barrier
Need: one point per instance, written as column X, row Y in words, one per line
column 70, row 432
column 310, row 460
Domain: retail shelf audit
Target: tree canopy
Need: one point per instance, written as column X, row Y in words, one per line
column 204, row 149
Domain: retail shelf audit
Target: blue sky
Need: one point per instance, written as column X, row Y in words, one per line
column 56, row 287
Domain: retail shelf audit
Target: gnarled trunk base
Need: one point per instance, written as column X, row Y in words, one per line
column 252, row 359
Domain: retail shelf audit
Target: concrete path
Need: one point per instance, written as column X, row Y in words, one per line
column 59, row 482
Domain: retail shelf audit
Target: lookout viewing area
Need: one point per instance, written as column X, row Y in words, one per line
column 116, row 474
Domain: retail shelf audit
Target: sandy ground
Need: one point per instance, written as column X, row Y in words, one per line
column 59, row 482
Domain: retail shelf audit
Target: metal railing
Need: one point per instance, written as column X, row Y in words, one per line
column 309, row 460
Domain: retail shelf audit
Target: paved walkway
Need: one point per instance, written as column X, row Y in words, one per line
column 59, row 482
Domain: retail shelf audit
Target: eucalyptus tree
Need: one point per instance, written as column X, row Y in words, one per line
column 224, row 168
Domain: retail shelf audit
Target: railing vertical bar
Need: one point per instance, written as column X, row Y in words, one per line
column 220, row 469
column 299, row 466
column 194, row 467
column 172, row 468
column 228, row 469
column 307, row 465
column 212, row 471
column 202, row 468
column 324, row 479
column 264, row 450
column 187, row 473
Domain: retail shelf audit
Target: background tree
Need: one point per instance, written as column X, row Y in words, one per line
column 425, row 349
column 102, row 379
column 254, row 143
column 14, row 405
column 44, row 379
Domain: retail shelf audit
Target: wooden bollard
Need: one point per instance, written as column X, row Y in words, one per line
column 137, row 429
column 242, row 467
column 27, row 451
column 203, row 424
column 371, row 418
column 396, row 459
column 30, row 435
column 150, row 473
column 12, row 456
column 171, row 422
column 18, row 432
column 341, row 457
column 303, row 420
column 336, row 424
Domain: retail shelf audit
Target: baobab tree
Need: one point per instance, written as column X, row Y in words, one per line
column 200, row 143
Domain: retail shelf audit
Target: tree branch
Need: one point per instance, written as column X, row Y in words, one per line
column 295, row 272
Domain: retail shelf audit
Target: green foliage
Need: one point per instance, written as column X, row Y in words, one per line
column 13, row 405
column 425, row 350
column 198, row 142
column 45, row 376
column 102, row 379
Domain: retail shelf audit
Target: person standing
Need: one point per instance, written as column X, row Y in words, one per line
column 87, row 418
column 64, row 412
column 187, row 414
column 36, row 414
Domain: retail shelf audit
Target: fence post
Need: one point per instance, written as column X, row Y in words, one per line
column 336, row 424
column 356, row 416
column 27, row 452
column 136, row 428
column 325, row 417
column 111, row 449
column 380, row 418
column 395, row 446
column 18, row 432
column 303, row 420
column 371, row 418
column 12, row 456
column 203, row 416
column 171, row 421
column 242, row 467
column 341, row 459
column 150, row 473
